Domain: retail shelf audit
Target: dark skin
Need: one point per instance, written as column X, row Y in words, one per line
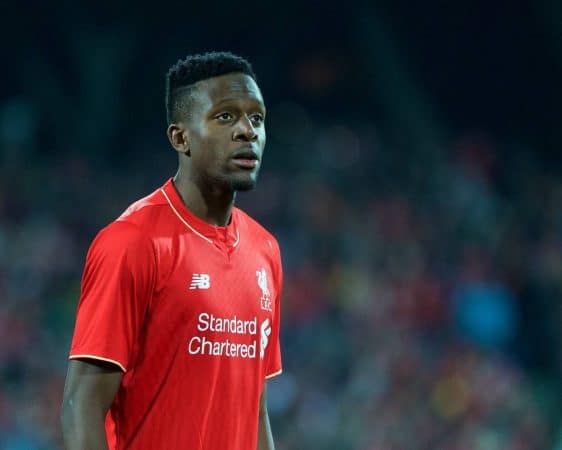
column 220, row 146
column 226, row 121
column 89, row 390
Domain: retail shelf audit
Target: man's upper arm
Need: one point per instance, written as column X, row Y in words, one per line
column 116, row 289
column 91, row 383
column 265, row 437
column 263, row 399
column 89, row 390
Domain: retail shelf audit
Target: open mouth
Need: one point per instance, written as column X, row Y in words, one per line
column 245, row 163
column 246, row 159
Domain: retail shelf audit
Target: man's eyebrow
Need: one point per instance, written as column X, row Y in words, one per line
column 251, row 98
column 255, row 100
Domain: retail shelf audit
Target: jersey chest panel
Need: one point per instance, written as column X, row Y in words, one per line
column 218, row 305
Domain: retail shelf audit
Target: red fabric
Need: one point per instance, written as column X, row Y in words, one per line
column 184, row 308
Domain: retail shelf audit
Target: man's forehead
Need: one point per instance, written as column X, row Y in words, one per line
column 229, row 87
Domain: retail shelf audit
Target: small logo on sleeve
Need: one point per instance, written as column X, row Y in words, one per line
column 265, row 299
column 200, row 281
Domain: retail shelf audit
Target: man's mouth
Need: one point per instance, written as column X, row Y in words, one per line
column 246, row 159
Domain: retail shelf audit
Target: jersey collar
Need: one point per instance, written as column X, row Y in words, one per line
column 227, row 235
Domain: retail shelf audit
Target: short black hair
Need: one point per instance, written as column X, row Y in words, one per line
column 186, row 72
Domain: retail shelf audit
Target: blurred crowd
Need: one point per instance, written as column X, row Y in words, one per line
column 421, row 306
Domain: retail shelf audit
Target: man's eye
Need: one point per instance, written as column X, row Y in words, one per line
column 224, row 116
column 256, row 118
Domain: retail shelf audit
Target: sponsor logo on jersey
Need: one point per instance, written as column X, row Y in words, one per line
column 211, row 339
column 200, row 281
column 265, row 332
column 265, row 299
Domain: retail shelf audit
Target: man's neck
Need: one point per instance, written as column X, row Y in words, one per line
column 211, row 205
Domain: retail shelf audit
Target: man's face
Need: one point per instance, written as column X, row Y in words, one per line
column 227, row 132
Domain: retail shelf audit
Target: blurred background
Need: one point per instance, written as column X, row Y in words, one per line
column 412, row 176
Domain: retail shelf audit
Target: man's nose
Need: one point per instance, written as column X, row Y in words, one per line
column 245, row 131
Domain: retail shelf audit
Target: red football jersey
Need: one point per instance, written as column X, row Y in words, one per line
column 190, row 312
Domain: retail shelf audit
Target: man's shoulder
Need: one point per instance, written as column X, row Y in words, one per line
column 147, row 214
column 139, row 221
column 259, row 234
column 143, row 209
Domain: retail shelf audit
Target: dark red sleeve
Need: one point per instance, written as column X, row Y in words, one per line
column 117, row 286
column 274, row 365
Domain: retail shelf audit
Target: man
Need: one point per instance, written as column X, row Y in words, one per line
column 178, row 321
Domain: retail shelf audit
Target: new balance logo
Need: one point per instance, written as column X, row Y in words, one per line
column 200, row 281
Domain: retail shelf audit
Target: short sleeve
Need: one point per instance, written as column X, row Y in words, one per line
column 117, row 286
column 274, row 364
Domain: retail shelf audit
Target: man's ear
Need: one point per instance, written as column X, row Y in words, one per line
column 178, row 136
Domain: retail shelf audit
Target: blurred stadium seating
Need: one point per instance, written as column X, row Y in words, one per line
column 423, row 272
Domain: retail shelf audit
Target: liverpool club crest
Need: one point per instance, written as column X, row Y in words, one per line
column 265, row 299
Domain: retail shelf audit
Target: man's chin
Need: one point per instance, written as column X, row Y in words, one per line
column 243, row 182
column 243, row 185
column 234, row 182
